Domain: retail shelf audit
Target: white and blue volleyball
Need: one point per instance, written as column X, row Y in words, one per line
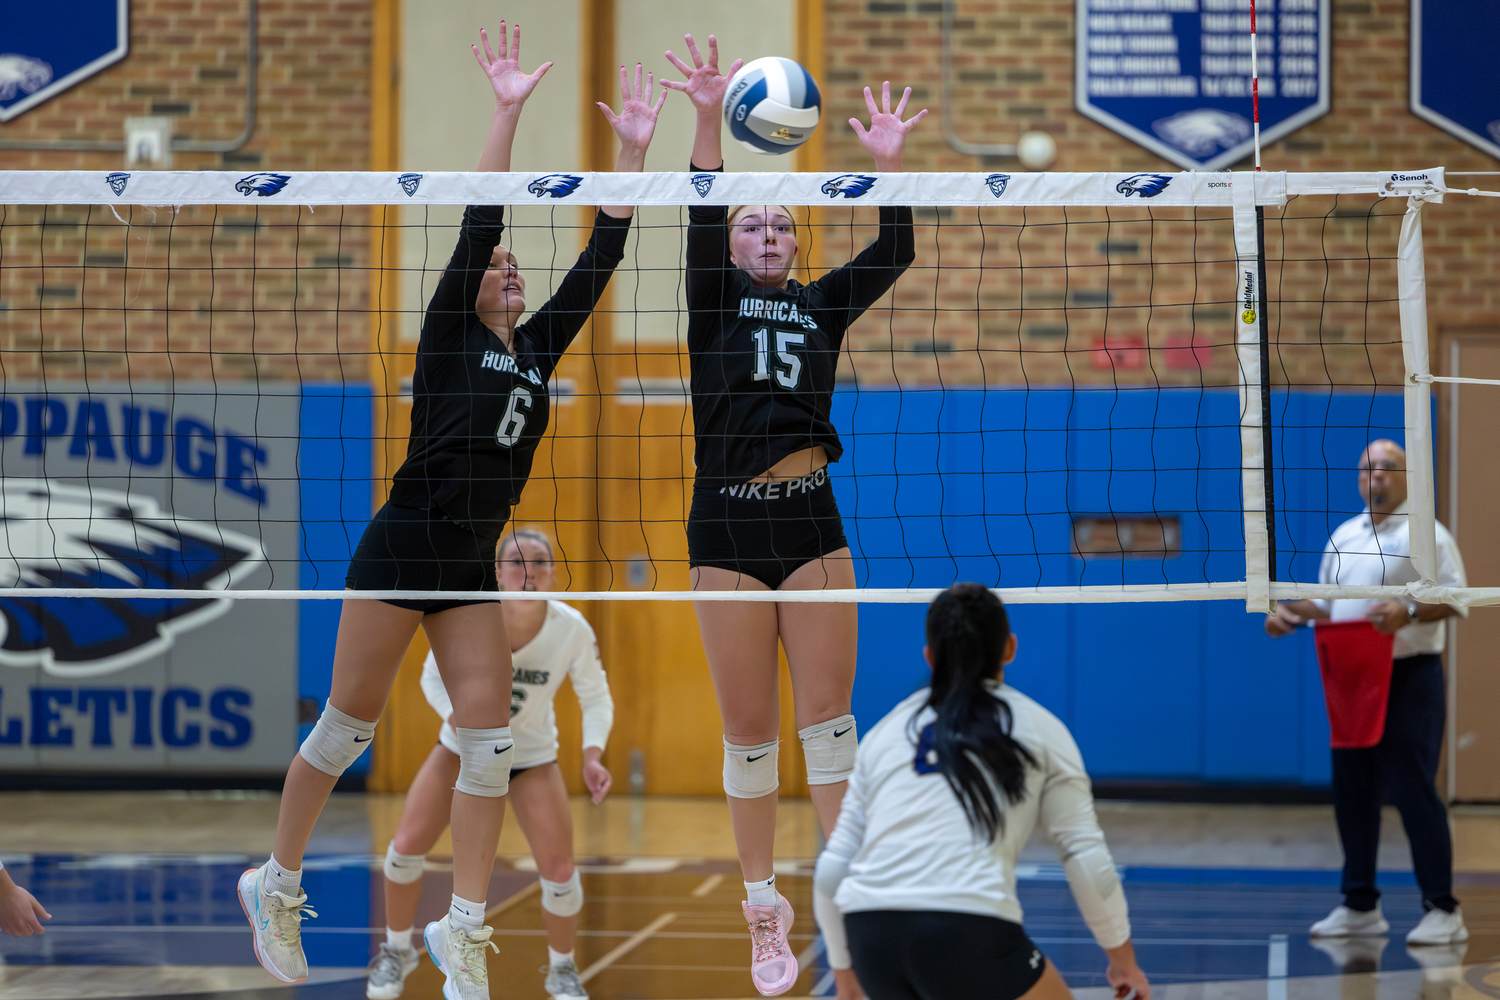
column 772, row 105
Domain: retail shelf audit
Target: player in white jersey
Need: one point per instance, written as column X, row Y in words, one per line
column 916, row 889
column 549, row 641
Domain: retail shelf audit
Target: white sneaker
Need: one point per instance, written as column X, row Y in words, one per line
column 563, row 982
column 388, row 972
column 460, row 955
column 276, row 920
column 1344, row 922
column 1439, row 927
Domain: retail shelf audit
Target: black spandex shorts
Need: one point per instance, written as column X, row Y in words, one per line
column 941, row 955
column 408, row 549
column 765, row 530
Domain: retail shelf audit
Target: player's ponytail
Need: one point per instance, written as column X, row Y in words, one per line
column 967, row 629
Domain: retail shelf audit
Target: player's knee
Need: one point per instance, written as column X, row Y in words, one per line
column 484, row 759
column 403, row 869
column 335, row 741
column 750, row 772
column 563, row 899
column 829, row 750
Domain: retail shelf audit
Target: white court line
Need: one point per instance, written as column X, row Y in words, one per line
column 625, row 947
column 1276, row 968
column 708, row 885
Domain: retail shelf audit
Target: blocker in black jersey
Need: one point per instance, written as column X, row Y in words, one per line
column 763, row 359
column 478, row 410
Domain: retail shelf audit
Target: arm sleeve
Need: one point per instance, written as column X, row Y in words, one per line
column 453, row 301
column 433, row 690
column 552, row 328
column 845, row 293
column 1067, row 814
column 707, row 253
column 833, row 865
column 592, row 688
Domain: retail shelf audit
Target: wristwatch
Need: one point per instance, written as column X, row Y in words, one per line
column 1411, row 611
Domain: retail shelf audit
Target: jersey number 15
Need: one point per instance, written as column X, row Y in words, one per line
column 785, row 339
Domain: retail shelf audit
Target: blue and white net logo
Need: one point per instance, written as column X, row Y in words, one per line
column 56, row 535
column 409, row 183
column 117, row 182
column 849, row 185
column 264, row 184
column 703, row 183
column 554, row 185
column 1145, row 185
column 997, row 183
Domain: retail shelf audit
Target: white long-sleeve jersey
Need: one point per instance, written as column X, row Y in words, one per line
column 903, row 842
column 564, row 647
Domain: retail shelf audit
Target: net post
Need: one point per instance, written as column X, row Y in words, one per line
column 1249, row 347
column 1411, row 283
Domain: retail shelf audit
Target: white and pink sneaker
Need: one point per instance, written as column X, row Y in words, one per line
column 773, row 967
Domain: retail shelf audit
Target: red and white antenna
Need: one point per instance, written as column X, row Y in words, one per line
column 1254, row 87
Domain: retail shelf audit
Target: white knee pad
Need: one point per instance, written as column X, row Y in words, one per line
column 750, row 772
column 484, row 758
column 829, row 748
column 563, row 898
column 403, row 869
column 336, row 741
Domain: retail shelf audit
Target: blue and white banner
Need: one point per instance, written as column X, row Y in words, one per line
column 1174, row 75
column 1455, row 69
column 45, row 48
column 266, row 188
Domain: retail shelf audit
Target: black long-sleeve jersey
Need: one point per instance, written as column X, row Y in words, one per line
column 763, row 359
column 478, row 410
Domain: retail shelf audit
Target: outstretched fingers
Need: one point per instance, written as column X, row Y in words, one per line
column 513, row 49
column 901, row 108
column 484, row 36
column 693, row 50
column 870, row 103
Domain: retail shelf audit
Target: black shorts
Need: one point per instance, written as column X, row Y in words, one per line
column 408, row 549
column 765, row 530
column 941, row 955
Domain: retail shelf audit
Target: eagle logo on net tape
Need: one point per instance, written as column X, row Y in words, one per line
column 115, row 542
column 264, row 184
column 409, row 183
column 1145, row 185
column 702, row 183
column 554, row 185
column 849, row 185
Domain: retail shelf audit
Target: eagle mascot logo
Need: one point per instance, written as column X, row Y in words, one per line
column 263, row 184
column 117, row 182
column 56, row 535
column 997, row 183
column 848, row 185
column 1145, row 185
column 409, row 183
column 703, row 183
column 555, row 185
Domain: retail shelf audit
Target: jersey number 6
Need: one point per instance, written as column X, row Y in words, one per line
column 785, row 339
column 514, row 421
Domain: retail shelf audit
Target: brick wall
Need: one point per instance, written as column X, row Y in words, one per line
column 1146, row 296
column 85, row 294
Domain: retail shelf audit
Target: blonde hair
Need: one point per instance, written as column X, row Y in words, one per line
column 739, row 210
column 528, row 534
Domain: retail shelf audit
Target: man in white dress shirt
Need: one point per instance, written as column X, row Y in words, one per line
column 1374, row 549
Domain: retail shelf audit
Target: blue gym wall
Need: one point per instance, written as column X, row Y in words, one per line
column 933, row 481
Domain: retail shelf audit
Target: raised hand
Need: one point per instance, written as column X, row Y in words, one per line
column 636, row 122
column 511, row 85
column 705, row 85
column 886, row 137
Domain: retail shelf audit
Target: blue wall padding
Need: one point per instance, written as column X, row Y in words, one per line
column 335, row 463
column 938, row 485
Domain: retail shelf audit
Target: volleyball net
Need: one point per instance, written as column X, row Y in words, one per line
column 1087, row 388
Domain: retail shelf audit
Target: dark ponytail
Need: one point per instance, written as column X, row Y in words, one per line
column 967, row 628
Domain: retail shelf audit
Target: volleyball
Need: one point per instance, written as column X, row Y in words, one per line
column 772, row 105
